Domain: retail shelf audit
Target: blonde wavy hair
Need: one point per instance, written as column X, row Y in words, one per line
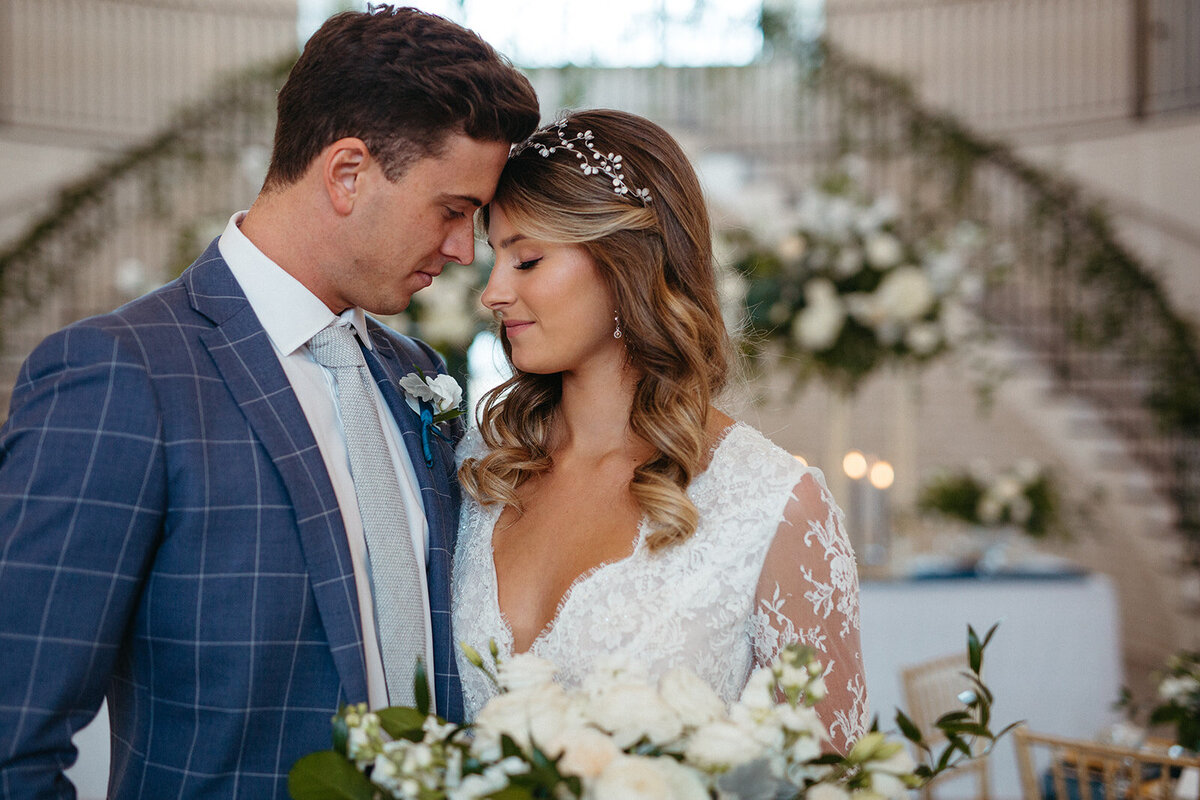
column 657, row 261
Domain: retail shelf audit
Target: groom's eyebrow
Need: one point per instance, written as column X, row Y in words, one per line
column 466, row 198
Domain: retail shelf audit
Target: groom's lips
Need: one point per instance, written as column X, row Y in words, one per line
column 427, row 275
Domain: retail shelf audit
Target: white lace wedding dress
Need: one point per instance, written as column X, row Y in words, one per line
column 768, row 565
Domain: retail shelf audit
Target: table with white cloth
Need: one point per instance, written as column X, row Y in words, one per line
column 1054, row 662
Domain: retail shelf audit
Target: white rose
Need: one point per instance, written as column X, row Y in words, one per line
column 883, row 250
column 905, row 294
column 690, row 697
column 632, row 712
column 586, row 752
column 642, row 778
column 525, row 671
column 827, row 791
column 529, row 714
column 819, row 324
column 722, row 745
column 759, row 692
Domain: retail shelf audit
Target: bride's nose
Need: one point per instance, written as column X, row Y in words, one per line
column 497, row 294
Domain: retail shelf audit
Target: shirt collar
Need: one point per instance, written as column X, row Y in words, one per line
column 287, row 310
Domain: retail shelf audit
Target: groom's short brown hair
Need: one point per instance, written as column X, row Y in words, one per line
column 401, row 80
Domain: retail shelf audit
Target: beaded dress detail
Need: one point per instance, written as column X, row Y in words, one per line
column 769, row 564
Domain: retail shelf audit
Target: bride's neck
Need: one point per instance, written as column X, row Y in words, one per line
column 594, row 411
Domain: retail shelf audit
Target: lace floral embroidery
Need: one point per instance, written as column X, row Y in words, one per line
column 713, row 603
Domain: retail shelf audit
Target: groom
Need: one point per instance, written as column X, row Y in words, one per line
column 188, row 522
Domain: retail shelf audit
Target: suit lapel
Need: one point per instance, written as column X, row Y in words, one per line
column 247, row 361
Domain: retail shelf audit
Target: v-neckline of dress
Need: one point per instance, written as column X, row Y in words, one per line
column 508, row 647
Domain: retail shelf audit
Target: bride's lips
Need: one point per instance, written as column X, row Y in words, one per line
column 514, row 326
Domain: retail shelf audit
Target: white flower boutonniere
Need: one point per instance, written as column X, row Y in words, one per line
column 441, row 391
column 436, row 400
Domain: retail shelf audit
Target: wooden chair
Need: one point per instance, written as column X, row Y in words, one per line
column 1074, row 769
column 931, row 689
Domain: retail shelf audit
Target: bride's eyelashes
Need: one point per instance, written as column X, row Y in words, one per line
column 530, row 264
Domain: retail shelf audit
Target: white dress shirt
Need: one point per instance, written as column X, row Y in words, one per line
column 291, row 315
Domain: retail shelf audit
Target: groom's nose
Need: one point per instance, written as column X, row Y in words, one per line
column 459, row 244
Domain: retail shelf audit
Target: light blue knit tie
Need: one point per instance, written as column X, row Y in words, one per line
column 392, row 564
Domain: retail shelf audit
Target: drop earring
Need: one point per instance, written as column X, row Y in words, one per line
column 617, row 321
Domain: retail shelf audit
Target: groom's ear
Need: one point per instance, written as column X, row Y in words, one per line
column 342, row 166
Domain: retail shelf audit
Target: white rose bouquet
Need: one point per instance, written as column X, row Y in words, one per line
column 620, row 736
column 855, row 286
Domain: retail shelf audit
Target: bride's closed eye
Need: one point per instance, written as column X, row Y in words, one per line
column 530, row 264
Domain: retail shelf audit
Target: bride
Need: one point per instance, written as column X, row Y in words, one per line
column 611, row 508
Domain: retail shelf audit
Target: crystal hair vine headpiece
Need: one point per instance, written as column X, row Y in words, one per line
column 592, row 162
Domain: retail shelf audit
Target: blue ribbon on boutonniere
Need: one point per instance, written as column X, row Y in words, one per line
column 421, row 394
column 428, row 421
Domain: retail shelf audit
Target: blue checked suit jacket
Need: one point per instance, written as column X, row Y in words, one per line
column 170, row 539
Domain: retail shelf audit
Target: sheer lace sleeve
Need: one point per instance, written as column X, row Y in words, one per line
column 808, row 593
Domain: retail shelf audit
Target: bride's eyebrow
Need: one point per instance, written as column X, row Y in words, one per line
column 506, row 243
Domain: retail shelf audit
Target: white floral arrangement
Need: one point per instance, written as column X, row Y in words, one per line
column 1022, row 495
column 619, row 735
column 855, row 286
column 1178, row 695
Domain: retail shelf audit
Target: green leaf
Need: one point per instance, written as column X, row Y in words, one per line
column 951, row 717
column 341, row 733
column 325, row 775
column 908, row 728
column 974, row 650
column 402, row 722
column 448, row 414
column 512, row 792
column 421, row 687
